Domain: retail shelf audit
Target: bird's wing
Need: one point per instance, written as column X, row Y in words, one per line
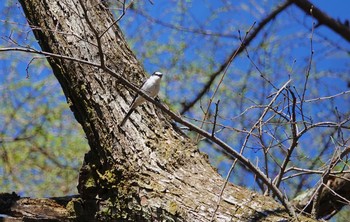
column 143, row 83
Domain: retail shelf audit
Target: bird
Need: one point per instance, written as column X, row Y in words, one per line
column 151, row 87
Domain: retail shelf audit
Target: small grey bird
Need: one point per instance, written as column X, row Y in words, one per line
column 150, row 87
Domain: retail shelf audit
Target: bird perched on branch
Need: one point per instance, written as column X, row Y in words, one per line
column 150, row 87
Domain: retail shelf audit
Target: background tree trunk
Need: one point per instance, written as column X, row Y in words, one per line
column 148, row 170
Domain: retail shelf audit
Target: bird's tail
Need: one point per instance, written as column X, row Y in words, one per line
column 126, row 117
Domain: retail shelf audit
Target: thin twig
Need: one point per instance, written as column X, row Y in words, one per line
column 326, row 97
column 215, row 117
column 118, row 19
column 294, row 143
column 236, row 52
column 30, row 62
column 94, row 30
column 269, row 183
column 206, row 113
column 317, row 194
column 308, row 68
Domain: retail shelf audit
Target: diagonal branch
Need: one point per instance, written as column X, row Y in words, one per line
column 323, row 18
column 234, row 53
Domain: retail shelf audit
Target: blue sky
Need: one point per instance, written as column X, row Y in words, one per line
column 335, row 8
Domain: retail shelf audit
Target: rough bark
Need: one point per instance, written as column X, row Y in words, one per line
column 27, row 209
column 148, row 170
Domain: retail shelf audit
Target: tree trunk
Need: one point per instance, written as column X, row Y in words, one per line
column 147, row 170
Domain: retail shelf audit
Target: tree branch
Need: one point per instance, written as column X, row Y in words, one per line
column 234, row 53
column 323, row 18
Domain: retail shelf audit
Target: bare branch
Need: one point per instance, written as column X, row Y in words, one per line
column 215, row 117
column 118, row 19
column 323, row 18
column 326, row 97
column 234, row 53
column 96, row 33
column 206, row 113
column 294, row 142
column 275, row 191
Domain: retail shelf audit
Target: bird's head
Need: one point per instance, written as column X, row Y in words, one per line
column 157, row 74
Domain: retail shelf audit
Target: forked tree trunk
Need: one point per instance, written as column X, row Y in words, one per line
column 147, row 170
